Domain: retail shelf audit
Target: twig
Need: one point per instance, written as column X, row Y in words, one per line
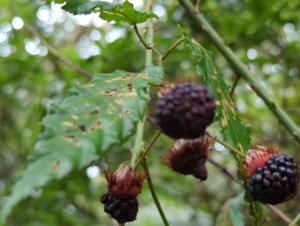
column 280, row 214
column 57, row 54
column 140, row 37
column 147, row 46
column 222, row 168
column 274, row 209
column 153, row 193
column 172, row 47
column 295, row 221
column 204, row 25
column 51, row 49
column 197, row 6
column 236, row 81
column 147, row 149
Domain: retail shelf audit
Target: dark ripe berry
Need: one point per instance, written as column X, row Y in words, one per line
column 122, row 210
column 185, row 110
column 275, row 180
column 188, row 157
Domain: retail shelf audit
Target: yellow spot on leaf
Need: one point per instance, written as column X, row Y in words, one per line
column 69, row 138
column 69, row 124
column 75, row 117
column 89, row 85
column 56, row 165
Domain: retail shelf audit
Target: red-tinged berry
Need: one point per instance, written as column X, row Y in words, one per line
column 188, row 157
column 185, row 110
column 272, row 178
column 124, row 182
column 122, row 210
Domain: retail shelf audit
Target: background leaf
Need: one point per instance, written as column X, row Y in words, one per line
column 110, row 12
column 85, row 126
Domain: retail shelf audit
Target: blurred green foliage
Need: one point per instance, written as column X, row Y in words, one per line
column 264, row 34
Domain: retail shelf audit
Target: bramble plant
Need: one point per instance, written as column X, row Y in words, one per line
column 133, row 110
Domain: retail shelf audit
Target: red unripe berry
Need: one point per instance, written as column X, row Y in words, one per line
column 124, row 182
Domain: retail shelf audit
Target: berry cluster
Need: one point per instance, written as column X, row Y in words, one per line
column 185, row 110
column 121, row 209
column 273, row 178
column 121, row 199
column 183, row 113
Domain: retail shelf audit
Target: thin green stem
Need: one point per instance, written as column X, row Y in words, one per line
column 229, row 147
column 238, row 66
column 150, row 39
column 236, row 81
column 172, row 47
column 149, row 62
column 140, row 37
column 153, row 193
column 147, row 149
column 295, row 221
column 139, row 144
column 147, row 46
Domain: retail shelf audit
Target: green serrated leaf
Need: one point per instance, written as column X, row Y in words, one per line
column 231, row 213
column 233, row 129
column 85, row 126
column 126, row 13
column 86, row 7
column 108, row 11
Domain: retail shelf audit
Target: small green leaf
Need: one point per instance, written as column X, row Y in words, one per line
column 108, row 11
column 233, row 129
column 85, row 126
column 231, row 213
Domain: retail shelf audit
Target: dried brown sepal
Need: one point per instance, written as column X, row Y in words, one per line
column 124, row 182
column 188, row 157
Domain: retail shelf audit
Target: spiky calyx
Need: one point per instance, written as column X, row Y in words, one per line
column 188, row 157
column 272, row 178
column 257, row 157
column 124, row 182
column 122, row 210
column 185, row 110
